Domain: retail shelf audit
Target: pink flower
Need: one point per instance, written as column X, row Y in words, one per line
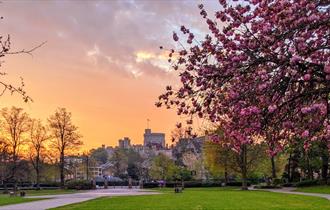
column 327, row 77
column 305, row 110
column 305, row 134
column 295, row 59
column 327, row 69
column 272, row 108
column 307, row 77
column 215, row 139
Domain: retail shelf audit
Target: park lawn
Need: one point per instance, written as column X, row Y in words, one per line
column 49, row 192
column 323, row 189
column 206, row 199
column 6, row 200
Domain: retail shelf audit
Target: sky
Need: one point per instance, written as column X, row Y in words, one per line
column 101, row 61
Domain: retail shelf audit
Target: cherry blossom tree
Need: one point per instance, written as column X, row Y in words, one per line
column 263, row 69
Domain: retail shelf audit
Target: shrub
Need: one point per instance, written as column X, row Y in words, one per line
column 277, row 182
column 237, row 184
column 150, row 185
column 79, row 185
column 306, row 183
column 49, row 184
column 266, row 187
column 287, row 185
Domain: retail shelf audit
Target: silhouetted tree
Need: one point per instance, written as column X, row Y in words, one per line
column 15, row 124
column 38, row 137
column 66, row 136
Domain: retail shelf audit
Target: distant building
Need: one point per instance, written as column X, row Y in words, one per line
column 124, row 143
column 154, row 139
column 76, row 168
column 137, row 147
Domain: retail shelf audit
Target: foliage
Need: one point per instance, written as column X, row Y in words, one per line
column 306, row 183
column 264, row 169
column 100, row 155
column 222, row 161
column 163, row 168
column 79, row 185
column 134, row 164
column 120, row 162
column 262, row 73
column 182, row 174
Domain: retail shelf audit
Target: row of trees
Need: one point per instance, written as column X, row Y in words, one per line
column 26, row 141
column 150, row 166
column 261, row 74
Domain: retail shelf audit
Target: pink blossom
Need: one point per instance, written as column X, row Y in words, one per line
column 306, row 110
column 307, row 77
column 272, row 108
column 327, row 69
column 295, row 59
column 305, row 134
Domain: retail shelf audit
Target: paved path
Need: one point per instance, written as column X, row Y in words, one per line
column 64, row 199
column 290, row 190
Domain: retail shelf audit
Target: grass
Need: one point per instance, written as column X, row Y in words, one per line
column 49, row 192
column 6, row 200
column 205, row 199
column 324, row 189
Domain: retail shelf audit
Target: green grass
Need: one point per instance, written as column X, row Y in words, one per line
column 6, row 200
column 206, row 199
column 49, row 192
column 324, row 189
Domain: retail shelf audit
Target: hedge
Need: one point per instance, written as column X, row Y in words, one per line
column 79, row 185
column 306, row 183
column 191, row 184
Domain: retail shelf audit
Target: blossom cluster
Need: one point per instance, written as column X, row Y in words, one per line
column 263, row 70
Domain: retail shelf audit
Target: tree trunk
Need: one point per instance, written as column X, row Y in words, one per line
column 62, row 169
column 273, row 168
column 226, row 177
column 38, row 173
column 38, row 178
column 310, row 170
column 244, row 167
column 289, row 169
column 5, row 185
column 226, row 168
column 325, row 167
column 15, row 186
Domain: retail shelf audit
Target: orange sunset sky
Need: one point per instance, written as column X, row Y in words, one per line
column 101, row 61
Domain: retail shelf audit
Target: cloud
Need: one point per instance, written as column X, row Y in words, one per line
column 121, row 37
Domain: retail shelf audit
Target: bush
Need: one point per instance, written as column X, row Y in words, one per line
column 48, row 184
column 150, row 185
column 287, row 185
column 237, row 184
column 187, row 184
column 277, row 182
column 306, row 183
column 192, row 184
column 79, row 185
column 266, row 187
